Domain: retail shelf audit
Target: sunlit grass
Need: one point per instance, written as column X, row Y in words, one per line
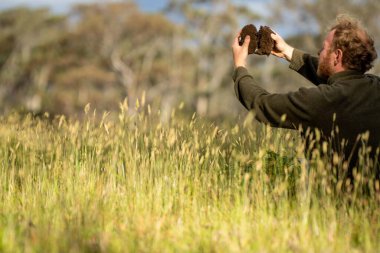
column 134, row 184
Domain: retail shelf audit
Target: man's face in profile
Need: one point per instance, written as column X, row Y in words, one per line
column 325, row 65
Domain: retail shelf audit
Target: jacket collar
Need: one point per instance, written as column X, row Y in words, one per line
column 343, row 75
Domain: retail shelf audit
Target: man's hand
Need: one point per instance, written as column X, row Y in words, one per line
column 281, row 48
column 240, row 53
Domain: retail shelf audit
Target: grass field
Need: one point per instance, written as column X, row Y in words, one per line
column 133, row 184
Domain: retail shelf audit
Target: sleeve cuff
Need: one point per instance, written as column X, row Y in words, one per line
column 239, row 72
column 297, row 60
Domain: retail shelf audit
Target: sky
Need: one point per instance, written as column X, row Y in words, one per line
column 60, row 6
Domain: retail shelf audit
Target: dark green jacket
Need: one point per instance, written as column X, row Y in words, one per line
column 353, row 97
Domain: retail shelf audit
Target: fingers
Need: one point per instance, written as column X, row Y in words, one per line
column 238, row 34
column 236, row 42
column 276, row 37
column 276, row 54
column 236, row 39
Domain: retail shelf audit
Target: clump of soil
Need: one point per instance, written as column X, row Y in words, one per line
column 252, row 32
column 265, row 41
column 261, row 42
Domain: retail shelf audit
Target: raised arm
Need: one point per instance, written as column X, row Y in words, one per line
column 302, row 107
column 305, row 64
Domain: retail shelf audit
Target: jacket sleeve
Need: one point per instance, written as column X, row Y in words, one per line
column 304, row 107
column 306, row 65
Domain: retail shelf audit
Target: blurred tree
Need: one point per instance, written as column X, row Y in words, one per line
column 121, row 51
column 98, row 54
column 25, row 63
column 102, row 53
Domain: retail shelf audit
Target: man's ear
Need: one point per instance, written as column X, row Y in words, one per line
column 338, row 57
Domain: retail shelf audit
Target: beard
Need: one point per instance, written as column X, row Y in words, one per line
column 325, row 70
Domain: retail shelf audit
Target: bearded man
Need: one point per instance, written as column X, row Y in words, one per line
column 345, row 102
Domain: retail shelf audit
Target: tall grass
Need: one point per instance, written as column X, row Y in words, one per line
column 134, row 184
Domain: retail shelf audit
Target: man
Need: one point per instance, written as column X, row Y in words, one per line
column 345, row 100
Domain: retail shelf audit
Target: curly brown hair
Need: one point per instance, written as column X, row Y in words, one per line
column 357, row 46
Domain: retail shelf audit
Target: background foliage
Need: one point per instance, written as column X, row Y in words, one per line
column 102, row 53
column 165, row 170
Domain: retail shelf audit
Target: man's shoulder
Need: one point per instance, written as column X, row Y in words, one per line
column 372, row 76
column 352, row 78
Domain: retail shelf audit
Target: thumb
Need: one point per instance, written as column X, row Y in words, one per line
column 247, row 39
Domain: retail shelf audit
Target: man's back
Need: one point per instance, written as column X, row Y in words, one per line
column 350, row 106
column 359, row 113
